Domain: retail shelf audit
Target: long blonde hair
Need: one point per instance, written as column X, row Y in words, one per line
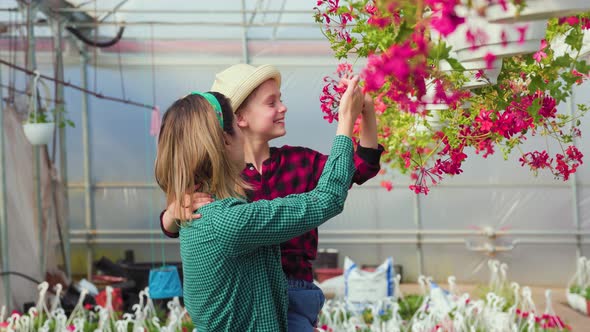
column 192, row 150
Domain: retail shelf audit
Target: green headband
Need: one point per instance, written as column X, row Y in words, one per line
column 214, row 102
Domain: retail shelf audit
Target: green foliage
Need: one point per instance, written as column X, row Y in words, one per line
column 409, row 305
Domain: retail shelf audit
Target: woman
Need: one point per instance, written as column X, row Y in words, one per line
column 233, row 280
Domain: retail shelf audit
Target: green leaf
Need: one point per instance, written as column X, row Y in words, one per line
column 455, row 64
column 563, row 61
column 575, row 38
column 537, row 83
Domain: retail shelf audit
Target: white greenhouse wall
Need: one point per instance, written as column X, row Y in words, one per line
column 490, row 193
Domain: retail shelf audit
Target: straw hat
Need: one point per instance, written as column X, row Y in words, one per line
column 238, row 81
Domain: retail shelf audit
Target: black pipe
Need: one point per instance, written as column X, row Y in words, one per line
column 96, row 43
column 22, row 275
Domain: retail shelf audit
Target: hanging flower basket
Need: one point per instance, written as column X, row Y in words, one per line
column 39, row 128
column 477, row 37
column 497, row 84
column 39, row 133
column 534, row 10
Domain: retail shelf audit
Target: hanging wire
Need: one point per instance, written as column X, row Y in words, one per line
column 149, row 145
column 58, row 111
column 94, row 52
column 12, row 89
column 76, row 87
column 120, row 68
column 153, row 65
column 12, row 45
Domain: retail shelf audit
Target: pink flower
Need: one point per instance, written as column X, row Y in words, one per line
column 571, row 20
column 574, row 154
column 489, row 59
column 540, row 55
column 476, row 38
column 548, row 109
column 479, row 74
column 407, row 156
column 543, row 44
column 484, row 121
column 446, row 22
column 370, row 8
column 522, row 33
column 332, row 92
column 536, row 160
column 504, row 38
column 387, row 185
column 578, row 74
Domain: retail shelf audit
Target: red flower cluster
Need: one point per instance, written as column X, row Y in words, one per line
column 444, row 19
column 545, row 321
column 344, row 19
column 332, row 92
column 403, row 65
column 565, row 164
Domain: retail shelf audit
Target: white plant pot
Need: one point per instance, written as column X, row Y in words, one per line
column 39, row 133
column 577, row 302
column 535, row 10
column 494, row 44
column 435, row 107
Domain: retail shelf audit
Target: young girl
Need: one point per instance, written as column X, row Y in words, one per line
column 255, row 96
column 233, row 279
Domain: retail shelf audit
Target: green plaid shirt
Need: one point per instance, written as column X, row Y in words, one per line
column 233, row 280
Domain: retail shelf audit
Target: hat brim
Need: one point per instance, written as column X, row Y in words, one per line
column 260, row 75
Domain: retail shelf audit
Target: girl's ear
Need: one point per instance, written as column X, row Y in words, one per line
column 226, row 139
column 241, row 120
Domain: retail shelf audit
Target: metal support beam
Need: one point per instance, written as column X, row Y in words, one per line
column 441, row 241
column 419, row 240
column 245, row 55
column 375, row 232
column 574, row 185
column 3, row 213
column 88, row 204
column 63, row 207
column 31, row 64
column 274, row 30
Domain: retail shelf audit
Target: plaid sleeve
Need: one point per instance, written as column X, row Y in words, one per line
column 168, row 234
column 244, row 226
column 366, row 161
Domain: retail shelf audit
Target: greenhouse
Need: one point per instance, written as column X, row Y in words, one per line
column 321, row 165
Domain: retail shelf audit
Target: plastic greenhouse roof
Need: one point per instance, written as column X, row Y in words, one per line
column 183, row 19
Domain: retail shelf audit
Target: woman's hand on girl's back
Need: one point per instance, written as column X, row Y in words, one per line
column 190, row 203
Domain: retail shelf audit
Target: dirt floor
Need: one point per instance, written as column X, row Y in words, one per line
column 576, row 320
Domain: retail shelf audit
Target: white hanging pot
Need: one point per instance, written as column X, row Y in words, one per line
column 534, row 10
column 435, row 107
column 494, row 43
column 39, row 133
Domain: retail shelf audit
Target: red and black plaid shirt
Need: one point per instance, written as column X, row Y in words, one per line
column 295, row 170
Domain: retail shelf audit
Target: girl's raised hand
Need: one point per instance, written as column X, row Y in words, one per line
column 351, row 103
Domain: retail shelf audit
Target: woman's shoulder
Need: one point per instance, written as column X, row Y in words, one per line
column 221, row 206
